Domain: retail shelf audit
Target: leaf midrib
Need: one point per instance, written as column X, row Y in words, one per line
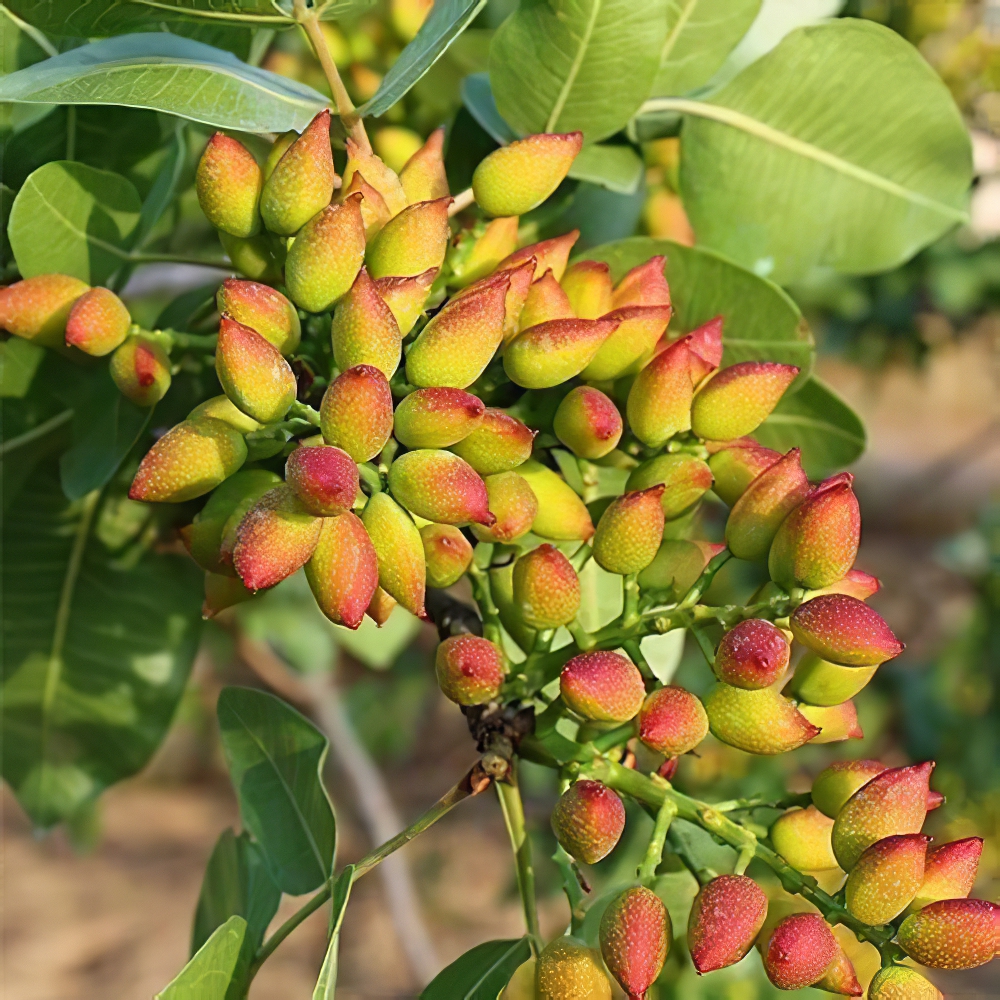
column 575, row 67
column 317, row 854
column 767, row 133
column 671, row 40
column 469, row 993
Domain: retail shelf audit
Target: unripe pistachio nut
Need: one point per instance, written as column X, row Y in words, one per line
column 437, row 417
column 469, row 669
column 629, row 532
column 603, row 686
column 834, row 786
column 753, row 654
column 736, row 466
column 950, row 871
column 834, row 722
column 562, row 515
column 844, row 630
column 886, row 878
column 803, row 838
column 402, row 572
column 549, row 255
column 545, row 301
column 141, row 370
column 899, row 982
column 588, row 820
column 951, row 934
column 479, row 251
column 568, row 970
column 498, row 443
column 635, row 935
column 552, row 352
column 514, row 504
column 587, row 284
column 412, row 242
column 588, row 423
column 739, row 399
column 343, row 569
column 98, row 322
column 546, row 588
column 759, row 721
column 263, row 309
column 672, row 721
column 228, row 181
column 377, row 174
column 632, row 343
column 440, row 486
column 423, row 176
column 356, row 412
column 406, row 297
column 799, row 951
column 253, row 373
column 659, row 402
column 447, row 552
column 726, row 916
column 644, row 285
column 685, row 479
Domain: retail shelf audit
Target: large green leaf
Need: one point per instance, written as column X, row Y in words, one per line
column 106, row 427
column 617, row 168
column 561, row 65
column 208, row 975
column 842, row 147
column 481, row 973
column 446, row 21
column 761, row 322
column 326, row 982
column 74, row 219
column 95, row 654
column 236, row 883
column 164, row 72
column 700, row 34
column 817, row 420
column 275, row 758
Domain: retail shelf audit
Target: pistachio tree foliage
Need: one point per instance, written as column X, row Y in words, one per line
column 405, row 383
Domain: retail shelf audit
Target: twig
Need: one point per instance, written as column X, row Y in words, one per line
column 461, row 201
column 513, row 814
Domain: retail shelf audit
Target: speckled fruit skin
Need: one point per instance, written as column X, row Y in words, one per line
column 818, row 542
column 460, row 341
column 819, row 682
column 441, row 487
column 37, row 308
column 737, row 466
column 406, row 297
column 326, row 256
column 855, row 583
column 588, row 423
column 844, row 630
column 514, row 179
column 629, row 531
column 447, row 552
column 253, row 373
column 835, row 722
column 364, row 330
column 588, row 820
column 587, row 284
column 356, row 412
column 546, row 588
column 659, row 402
column 568, row 970
column 803, row 838
column 437, row 417
column 514, row 504
column 739, row 399
column 726, row 917
column 893, row 802
column 141, row 371
column 263, row 309
column 632, row 343
column 545, row 300
column 190, row 460
column 343, row 570
column 760, row 722
column 764, row 506
column 402, row 571
column 753, row 654
column 374, row 211
column 898, row 982
column 951, row 934
column 98, row 322
column 423, row 175
column 301, row 183
column 380, row 607
column 552, row 352
column 222, row 408
column 562, row 515
column 376, row 173
column 799, row 951
column 498, row 444
column 469, row 669
column 411, row 242
column 635, row 936
column 837, row 783
column 549, row 255
column 325, row 479
column 685, row 479
column 676, row 566
column 950, row 871
column 222, row 592
column 602, row 685
column 840, row 976
column 228, row 181
column 275, row 538
column 672, row 721
column 644, row 285
column 705, row 347
column 886, row 878
column 480, row 250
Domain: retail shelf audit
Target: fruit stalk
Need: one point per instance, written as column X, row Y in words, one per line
column 513, row 813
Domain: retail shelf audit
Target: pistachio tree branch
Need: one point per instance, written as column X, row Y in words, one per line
column 513, row 814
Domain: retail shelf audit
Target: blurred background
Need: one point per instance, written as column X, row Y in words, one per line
column 104, row 909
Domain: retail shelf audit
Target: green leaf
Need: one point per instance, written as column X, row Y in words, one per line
column 275, row 758
column 105, row 429
column 74, row 219
column 446, row 21
column 842, row 147
column 165, row 187
column 98, row 18
column 208, row 975
column 95, row 654
column 700, row 34
column 236, row 883
column 761, row 322
column 163, row 72
column 481, row 973
column 815, row 419
column 477, row 96
column 326, row 983
column 561, row 65
column 19, row 360
column 617, row 168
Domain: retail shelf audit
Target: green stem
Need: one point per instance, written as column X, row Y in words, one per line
column 305, row 412
column 175, row 258
column 370, row 478
column 580, row 558
column 630, row 612
column 615, row 737
column 46, row 427
column 705, row 645
column 268, row 947
column 654, row 852
column 513, row 814
column 575, row 895
column 490, row 613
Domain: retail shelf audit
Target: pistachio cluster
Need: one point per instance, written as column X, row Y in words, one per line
column 466, row 373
